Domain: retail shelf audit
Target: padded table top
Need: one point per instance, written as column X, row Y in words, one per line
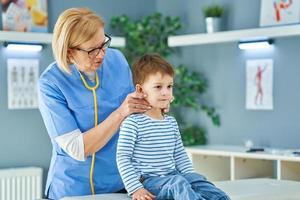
column 244, row 189
column 261, row 189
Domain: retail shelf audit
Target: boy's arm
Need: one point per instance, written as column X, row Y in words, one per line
column 125, row 148
column 182, row 161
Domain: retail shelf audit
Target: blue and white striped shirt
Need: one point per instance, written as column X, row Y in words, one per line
column 149, row 146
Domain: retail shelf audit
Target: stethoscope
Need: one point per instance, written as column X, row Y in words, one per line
column 93, row 89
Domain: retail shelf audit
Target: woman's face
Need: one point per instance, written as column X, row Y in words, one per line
column 89, row 56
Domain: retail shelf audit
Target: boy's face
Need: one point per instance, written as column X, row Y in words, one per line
column 159, row 89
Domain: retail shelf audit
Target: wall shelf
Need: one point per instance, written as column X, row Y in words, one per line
column 231, row 36
column 44, row 38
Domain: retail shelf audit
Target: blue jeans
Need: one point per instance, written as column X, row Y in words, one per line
column 176, row 186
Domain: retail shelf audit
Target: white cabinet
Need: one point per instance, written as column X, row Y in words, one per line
column 221, row 162
column 43, row 38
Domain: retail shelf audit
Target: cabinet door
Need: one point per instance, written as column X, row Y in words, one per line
column 214, row 168
column 290, row 170
column 254, row 168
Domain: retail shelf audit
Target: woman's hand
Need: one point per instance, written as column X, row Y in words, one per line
column 134, row 103
column 142, row 194
column 166, row 108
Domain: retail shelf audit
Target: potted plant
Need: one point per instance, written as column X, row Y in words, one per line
column 213, row 14
column 188, row 90
column 150, row 34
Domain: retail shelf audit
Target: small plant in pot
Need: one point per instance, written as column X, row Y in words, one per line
column 213, row 14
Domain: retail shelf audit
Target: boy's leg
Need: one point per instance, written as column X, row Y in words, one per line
column 205, row 188
column 171, row 187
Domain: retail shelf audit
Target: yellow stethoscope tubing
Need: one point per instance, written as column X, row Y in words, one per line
column 93, row 89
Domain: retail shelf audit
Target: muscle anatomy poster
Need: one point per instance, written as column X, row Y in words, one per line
column 259, row 84
column 279, row 12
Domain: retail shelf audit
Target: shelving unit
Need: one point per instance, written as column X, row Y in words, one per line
column 220, row 162
column 231, row 36
column 173, row 41
column 43, row 38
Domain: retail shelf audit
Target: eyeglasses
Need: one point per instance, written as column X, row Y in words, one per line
column 94, row 52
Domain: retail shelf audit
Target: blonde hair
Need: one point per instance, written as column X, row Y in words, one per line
column 73, row 27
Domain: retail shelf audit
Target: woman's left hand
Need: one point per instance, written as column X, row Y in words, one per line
column 166, row 108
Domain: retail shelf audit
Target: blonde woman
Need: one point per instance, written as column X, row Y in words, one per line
column 84, row 96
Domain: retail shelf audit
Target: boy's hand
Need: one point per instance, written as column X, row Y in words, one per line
column 142, row 194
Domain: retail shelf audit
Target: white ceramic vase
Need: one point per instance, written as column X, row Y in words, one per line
column 213, row 24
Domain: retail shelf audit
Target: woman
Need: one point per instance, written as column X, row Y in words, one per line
column 84, row 97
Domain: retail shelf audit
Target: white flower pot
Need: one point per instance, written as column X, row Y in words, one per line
column 213, row 24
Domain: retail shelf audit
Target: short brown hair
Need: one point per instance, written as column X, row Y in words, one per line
column 73, row 27
column 150, row 64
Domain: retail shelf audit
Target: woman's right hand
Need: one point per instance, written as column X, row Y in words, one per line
column 134, row 103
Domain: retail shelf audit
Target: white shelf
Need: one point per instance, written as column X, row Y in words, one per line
column 12, row 36
column 237, row 35
column 118, row 41
column 238, row 164
column 44, row 38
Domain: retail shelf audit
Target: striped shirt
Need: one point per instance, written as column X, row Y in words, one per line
column 149, row 146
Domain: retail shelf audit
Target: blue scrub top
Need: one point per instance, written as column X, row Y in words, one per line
column 66, row 105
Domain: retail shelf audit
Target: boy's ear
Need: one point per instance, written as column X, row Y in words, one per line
column 138, row 88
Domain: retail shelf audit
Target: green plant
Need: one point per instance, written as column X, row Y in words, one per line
column 149, row 35
column 189, row 86
column 192, row 135
column 213, row 11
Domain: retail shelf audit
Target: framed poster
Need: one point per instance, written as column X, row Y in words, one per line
column 22, row 77
column 24, row 15
column 279, row 12
column 259, row 84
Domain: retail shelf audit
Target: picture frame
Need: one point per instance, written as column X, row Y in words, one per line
column 279, row 12
column 259, row 84
column 22, row 78
column 24, row 15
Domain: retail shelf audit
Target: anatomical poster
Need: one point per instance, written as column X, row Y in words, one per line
column 22, row 76
column 24, row 15
column 279, row 12
column 259, row 84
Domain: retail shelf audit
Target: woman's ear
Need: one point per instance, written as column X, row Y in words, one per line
column 70, row 55
column 138, row 88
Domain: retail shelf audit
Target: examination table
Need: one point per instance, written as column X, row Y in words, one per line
column 245, row 189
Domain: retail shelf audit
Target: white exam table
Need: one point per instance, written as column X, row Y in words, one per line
column 245, row 189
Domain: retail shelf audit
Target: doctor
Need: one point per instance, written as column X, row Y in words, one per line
column 84, row 96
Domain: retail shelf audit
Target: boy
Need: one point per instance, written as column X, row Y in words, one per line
column 150, row 156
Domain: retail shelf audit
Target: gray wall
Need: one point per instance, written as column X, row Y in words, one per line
column 24, row 140
column 224, row 66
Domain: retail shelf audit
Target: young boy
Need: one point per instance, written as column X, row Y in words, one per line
column 150, row 156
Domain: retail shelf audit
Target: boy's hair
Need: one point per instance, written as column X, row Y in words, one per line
column 150, row 64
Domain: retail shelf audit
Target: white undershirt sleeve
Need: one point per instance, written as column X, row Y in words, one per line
column 72, row 144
